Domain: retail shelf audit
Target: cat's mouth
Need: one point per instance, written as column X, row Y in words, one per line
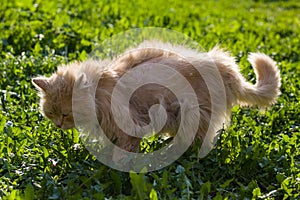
column 65, row 126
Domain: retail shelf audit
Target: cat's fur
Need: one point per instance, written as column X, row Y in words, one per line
column 56, row 91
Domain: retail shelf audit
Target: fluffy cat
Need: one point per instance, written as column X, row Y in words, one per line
column 196, row 67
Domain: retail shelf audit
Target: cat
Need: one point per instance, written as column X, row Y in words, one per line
column 56, row 92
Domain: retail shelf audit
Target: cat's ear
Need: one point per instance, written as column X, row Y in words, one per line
column 82, row 79
column 41, row 83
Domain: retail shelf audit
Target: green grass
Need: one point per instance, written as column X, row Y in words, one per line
column 258, row 157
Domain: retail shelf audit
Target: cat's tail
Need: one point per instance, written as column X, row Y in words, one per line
column 267, row 87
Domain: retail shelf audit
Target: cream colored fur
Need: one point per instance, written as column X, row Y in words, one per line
column 56, row 91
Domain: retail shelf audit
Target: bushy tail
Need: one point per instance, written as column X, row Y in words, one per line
column 268, row 82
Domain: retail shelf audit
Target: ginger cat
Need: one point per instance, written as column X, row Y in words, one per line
column 56, row 91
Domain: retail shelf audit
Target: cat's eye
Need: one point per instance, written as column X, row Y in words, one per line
column 65, row 114
column 50, row 113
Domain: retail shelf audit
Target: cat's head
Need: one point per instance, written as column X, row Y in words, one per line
column 56, row 98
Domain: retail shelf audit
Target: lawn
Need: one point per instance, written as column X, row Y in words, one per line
column 257, row 157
